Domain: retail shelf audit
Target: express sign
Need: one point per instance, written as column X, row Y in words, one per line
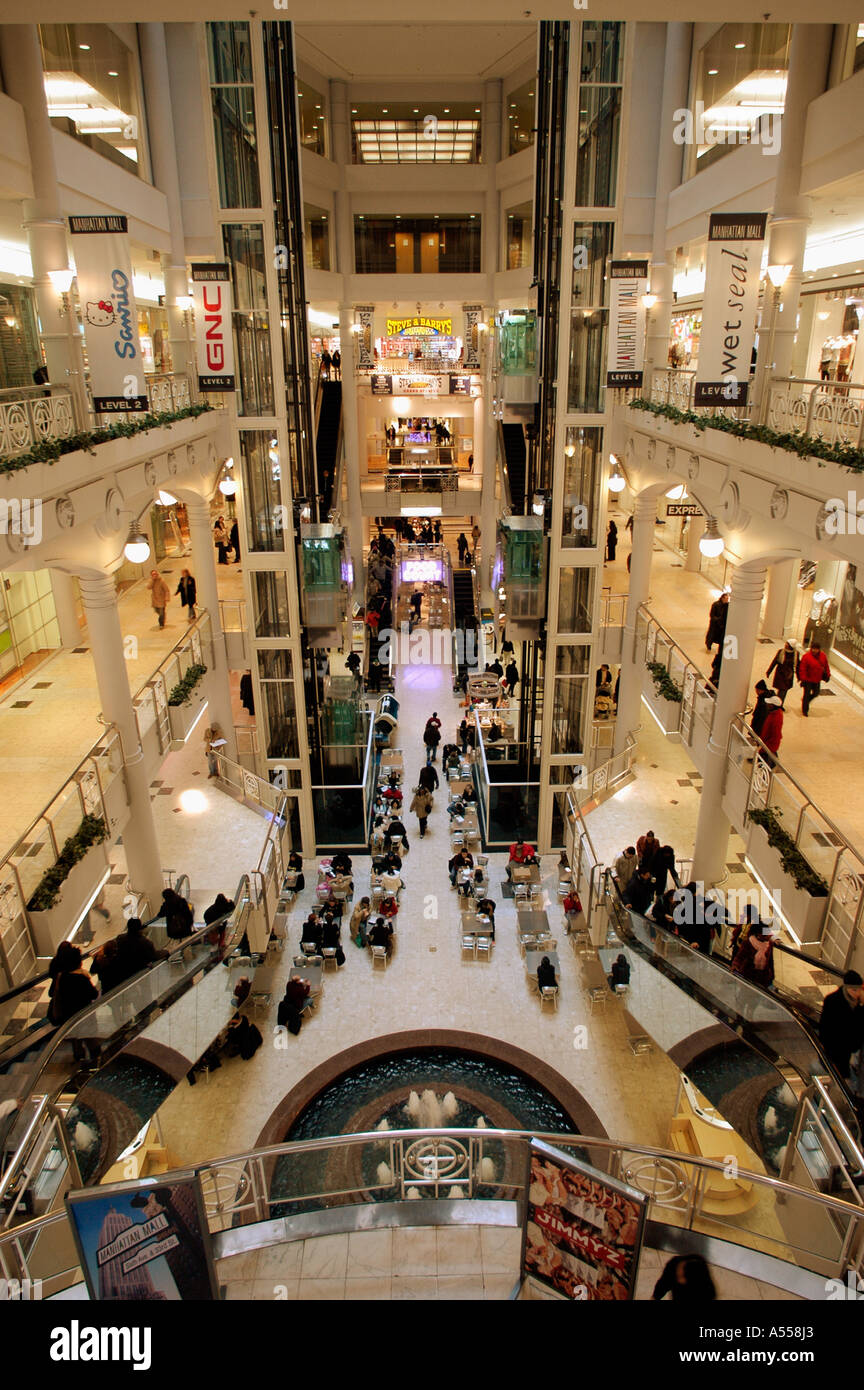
column 213, row 336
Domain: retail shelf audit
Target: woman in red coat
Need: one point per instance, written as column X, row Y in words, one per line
column 772, row 728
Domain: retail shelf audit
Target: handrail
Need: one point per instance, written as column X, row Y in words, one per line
column 29, row 1078
column 256, row 1198
column 501, row 456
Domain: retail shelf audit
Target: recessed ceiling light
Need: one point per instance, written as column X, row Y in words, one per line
column 85, row 47
column 712, row 72
column 384, row 110
column 446, row 110
column 476, row 110
column 740, row 45
column 353, row 110
column 113, row 74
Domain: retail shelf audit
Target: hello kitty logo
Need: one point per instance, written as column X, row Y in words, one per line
column 100, row 313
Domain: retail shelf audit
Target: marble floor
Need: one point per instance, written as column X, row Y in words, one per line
column 49, row 721
column 423, row 1263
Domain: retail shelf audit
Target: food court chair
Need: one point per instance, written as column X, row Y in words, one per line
column 598, row 997
column 301, row 960
column 328, row 954
column 484, row 947
column 549, row 995
column 260, row 1000
column 469, row 947
column 622, row 992
column 308, row 948
column 527, row 941
column 380, row 959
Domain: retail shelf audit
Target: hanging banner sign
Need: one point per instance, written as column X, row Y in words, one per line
column 729, row 308
column 104, row 271
column 583, row 1230
column 365, row 319
column 628, row 282
column 473, row 319
column 214, row 339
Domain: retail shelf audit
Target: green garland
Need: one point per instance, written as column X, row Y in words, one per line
column 91, row 831
column 805, row 445
column 792, row 860
column 665, row 686
column 182, row 692
column 49, row 450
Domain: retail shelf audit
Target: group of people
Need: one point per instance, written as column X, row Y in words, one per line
column 225, row 540
column 331, row 365
column 160, row 594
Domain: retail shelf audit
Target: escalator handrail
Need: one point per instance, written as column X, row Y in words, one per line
column 30, row 1084
column 722, row 1007
column 505, row 472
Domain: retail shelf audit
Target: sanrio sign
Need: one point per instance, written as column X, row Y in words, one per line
column 104, row 271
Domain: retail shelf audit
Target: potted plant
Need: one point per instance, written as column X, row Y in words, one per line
column 185, row 702
column 63, row 890
column 801, row 892
column 664, row 697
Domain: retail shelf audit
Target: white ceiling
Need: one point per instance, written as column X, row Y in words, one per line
column 396, row 52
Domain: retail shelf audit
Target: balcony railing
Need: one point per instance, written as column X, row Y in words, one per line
column 829, row 410
column 30, row 415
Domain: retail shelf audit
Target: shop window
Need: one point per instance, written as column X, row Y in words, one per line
column 519, row 230
column 415, row 245
column 29, row 632
column 91, row 88
column 741, row 84
column 316, row 237
column 402, row 133
column 233, row 101
column 313, row 120
column 520, row 105
column 262, row 491
column 20, row 351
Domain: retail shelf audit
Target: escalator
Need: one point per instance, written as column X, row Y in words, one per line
column 754, row 1055
column 513, row 445
column 463, row 598
column 327, row 440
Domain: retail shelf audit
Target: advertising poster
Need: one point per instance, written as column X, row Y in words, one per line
column 214, row 338
column 144, row 1241
column 849, row 632
column 583, row 1229
column 103, row 268
column 365, row 318
column 473, row 319
column 382, row 385
column 731, row 300
column 628, row 283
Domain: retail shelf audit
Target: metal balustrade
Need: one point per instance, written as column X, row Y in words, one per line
column 829, row 410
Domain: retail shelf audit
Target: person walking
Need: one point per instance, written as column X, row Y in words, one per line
column 772, row 729
column 428, row 778
column 234, row 540
column 464, row 549
column 511, row 675
column 760, row 712
column 160, row 595
column 220, row 540
column 336, row 364
column 421, row 805
column 187, row 590
column 431, row 738
column 475, row 536
column 813, row 669
column 326, row 365
column 611, row 540
column 717, row 615
column 783, row 666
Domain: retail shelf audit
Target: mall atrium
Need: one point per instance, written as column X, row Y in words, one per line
column 410, row 361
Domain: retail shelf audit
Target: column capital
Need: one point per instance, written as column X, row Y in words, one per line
column 98, row 589
column 748, row 583
column 644, row 507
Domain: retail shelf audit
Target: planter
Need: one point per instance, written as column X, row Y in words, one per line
column 53, row 926
column 667, row 712
column 182, row 718
column 804, row 913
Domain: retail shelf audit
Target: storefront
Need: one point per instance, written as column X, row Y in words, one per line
column 20, row 352
column 29, row 632
column 427, row 341
column 684, row 335
column 828, row 335
column 155, row 339
column 829, row 609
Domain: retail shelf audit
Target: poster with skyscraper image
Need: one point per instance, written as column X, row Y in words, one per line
column 144, row 1241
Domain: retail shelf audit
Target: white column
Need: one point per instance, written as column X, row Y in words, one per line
column 21, row 60
column 163, row 156
column 204, row 570
column 781, row 578
column 486, row 430
column 742, row 627
column 66, row 608
column 351, row 445
column 143, row 860
column 809, row 53
column 630, row 689
column 676, row 78
column 692, row 563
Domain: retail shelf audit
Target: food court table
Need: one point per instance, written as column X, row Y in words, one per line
column 391, row 761
column 594, row 975
column 533, row 921
column 533, row 960
column 472, row 925
column 533, row 875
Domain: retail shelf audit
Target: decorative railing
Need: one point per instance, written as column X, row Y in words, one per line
column 170, row 391
column 829, row 410
column 29, row 415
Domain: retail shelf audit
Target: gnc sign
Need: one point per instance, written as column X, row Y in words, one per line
column 213, row 337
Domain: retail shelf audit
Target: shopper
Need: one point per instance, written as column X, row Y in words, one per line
column 688, row 1279
column 421, row 806
column 160, row 595
column 783, row 666
column 475, row 536
column 546, row 977
column 611, row 540
column 813, row 669
column 428, row 778
column 625, row 866
column 431, row 738
column 220, row 540
column 841, row 1025
column 71, row 990
column 234, row 540
column 511, row 676
column 326, row 365
column 359, row 917
column 760, row 712
column 463, row 547
column 754, row 957
column 178, row 914
column 620, row 974
column 336, row 365
column 717, row 615
column 187, row 589
column 772, row 729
